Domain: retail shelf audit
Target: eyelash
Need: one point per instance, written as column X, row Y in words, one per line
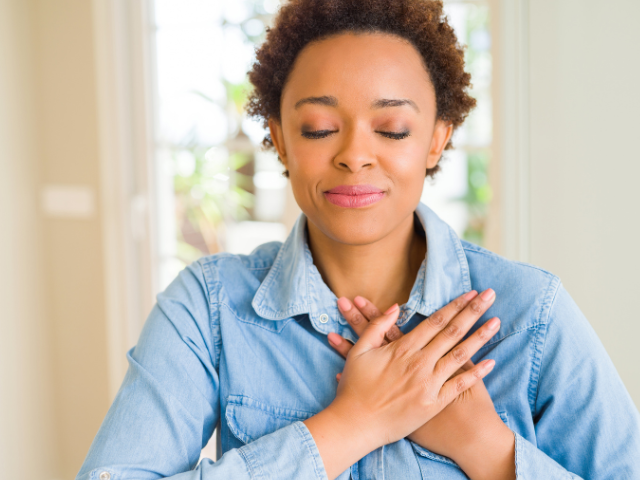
column 325, row 133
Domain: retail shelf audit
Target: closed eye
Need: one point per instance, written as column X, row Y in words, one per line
column 318, row 133
column 394, row 135
column 325, row 133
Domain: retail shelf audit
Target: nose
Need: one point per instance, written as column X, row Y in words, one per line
column 355, row 153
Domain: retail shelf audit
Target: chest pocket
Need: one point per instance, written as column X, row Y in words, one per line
column 427, row 457
column 249, row 419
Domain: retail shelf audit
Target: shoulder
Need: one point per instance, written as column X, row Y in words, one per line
column 223, row 263
column 530, row 297
column 231, row 277
column 261, row 257
column 526, row 290
column 479, row 255
column 504, row 270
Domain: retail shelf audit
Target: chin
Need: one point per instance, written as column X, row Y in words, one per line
column 355, row 226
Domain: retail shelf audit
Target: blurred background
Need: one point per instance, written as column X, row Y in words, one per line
column 125, row 154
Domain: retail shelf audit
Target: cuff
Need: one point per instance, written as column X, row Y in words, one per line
column 532, row 463
column 289, row 452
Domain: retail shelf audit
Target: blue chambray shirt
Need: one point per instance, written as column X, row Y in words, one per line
column 239, row 341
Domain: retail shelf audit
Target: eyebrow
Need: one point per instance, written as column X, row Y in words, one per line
column 330, row 101
column 385, row 102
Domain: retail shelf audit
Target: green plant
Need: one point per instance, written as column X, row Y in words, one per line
column 478, row 195
column 208, row 193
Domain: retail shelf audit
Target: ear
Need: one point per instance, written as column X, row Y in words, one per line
column 275, row 130
column 441, row 135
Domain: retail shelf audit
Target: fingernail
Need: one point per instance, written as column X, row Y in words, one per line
column 344, row 304
column 493, row 323
column 336, row 339
column 392, row 309
column 487, row 295
column 359, row 301
column 488, row 364
column 470, row 295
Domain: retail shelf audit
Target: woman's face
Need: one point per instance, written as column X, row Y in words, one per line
column 358, row 110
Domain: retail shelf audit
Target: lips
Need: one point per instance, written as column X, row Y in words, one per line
column 354, row 196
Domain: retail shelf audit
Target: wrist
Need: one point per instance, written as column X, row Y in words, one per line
column 341, row 436
column 489, row 455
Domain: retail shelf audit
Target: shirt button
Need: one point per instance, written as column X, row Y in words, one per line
column 324, row 318
column 105, row 476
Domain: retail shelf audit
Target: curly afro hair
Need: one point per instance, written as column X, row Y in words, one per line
column 421, row 22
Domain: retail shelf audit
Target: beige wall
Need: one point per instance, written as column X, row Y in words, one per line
column 26, row 400
column 585, row 163
column 53, row 361
column 73, row 248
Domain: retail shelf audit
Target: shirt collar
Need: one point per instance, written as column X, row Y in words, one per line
column 294, row 286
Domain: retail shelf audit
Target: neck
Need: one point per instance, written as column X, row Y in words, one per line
column 383, row 272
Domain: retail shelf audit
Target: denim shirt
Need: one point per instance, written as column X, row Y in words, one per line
column 239, row 342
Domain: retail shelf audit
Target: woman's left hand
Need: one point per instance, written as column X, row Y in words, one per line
column 465, row 423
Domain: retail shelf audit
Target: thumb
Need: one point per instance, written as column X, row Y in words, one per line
column 373, row 335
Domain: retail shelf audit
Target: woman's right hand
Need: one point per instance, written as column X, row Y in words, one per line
column 394, row 389
column 388, row 390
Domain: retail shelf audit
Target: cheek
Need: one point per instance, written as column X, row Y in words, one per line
column 308, row 165
column 408, row 161
column 309, row 157
column 407, row 171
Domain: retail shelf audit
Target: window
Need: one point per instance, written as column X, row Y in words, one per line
column 460, row 193
column 216, row 189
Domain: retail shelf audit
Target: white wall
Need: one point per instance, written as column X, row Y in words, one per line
column 27, row 450
column 584, row 118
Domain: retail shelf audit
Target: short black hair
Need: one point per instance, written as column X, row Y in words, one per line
column 421, row 22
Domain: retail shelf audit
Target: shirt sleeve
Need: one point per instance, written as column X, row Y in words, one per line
column 168, row 404
column 586, row 424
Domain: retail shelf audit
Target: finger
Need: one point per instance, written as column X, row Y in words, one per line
column 373, row 335
column 339, row 343
column 338, row 376
column 370, row 311
column 453, row 387
column 394, row 333
column 434, row 324
column 467, row 366
column 459, row 356
column 359, row 321
column 460, row 325
column 353, row 316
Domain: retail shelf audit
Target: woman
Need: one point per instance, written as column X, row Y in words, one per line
column 361, row 98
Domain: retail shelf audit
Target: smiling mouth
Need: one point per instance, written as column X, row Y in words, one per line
column 354, row 196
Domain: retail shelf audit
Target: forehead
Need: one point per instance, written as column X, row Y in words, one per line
column 356, row 68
